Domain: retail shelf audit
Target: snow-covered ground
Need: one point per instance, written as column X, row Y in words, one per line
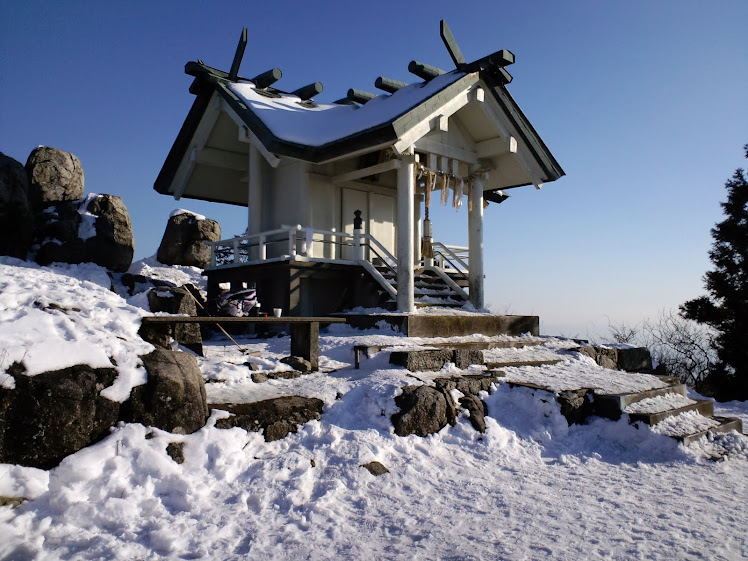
column 531, row 487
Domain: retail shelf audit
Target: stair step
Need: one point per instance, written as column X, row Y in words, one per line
column 612, row 405
column 690, row 426
column 703, row 407
column 726, row 424
column 511, row 363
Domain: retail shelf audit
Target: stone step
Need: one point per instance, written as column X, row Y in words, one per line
column 510, row 363
column 702, row 406
column 612, row 405
column 726, row 424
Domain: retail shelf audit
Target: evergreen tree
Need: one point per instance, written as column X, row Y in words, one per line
column 726, row 306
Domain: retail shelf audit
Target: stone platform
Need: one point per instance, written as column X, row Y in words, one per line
column 448, row 325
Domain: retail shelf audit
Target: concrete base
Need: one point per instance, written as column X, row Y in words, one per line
column 432, row 325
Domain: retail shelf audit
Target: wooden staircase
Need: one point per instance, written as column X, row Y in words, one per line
column 429, row 289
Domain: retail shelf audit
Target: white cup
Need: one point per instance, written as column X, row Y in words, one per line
column 277, row 312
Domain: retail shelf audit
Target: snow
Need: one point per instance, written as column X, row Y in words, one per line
column 87, row 227
column 683, row 424
column 659, row 403
column 177, row 275
column 531, row 487
column 58, row 317
column 325, row 123
column 178, row 211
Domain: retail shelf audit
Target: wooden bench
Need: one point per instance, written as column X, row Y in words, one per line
column 304, row 330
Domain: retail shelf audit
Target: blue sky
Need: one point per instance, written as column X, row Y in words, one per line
column 642, row 103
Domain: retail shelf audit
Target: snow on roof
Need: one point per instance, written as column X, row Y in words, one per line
column 324, row 123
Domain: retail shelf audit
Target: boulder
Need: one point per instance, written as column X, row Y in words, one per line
column 423, row 411
column 177, row 301
column 54, row 176
column 53, row 414
column 184, row 240
column 174, row 398
column 16, row 216
column 375, row 468
column 477, row 409
column 576, row 405
column 471, row 384
column 630, row 359
column 108, row 242
column 298, row 363
column 113, row 244
column 275, row 417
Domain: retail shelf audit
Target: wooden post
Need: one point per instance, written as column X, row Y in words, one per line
column 405, row 208
column 475, row 244
column 254, row 225
column 358, row 249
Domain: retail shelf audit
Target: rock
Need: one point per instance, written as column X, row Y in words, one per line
column 471, row 384
column 16, row 216
column 177, row 301
column 477, row 409
column 135, row 284
column 259, row 377
column 375, row 468
column 465, row 357
column 421, row 361
column 276, row 417
column 635, row 359
column 54, row 176
column 176, row 451
column 184, row 240
column 297, row 363
column 630, row 359
column 113, row 245
column 57, row 234
column 174, row 397
column 54, row 414
column 576, row 405
column 109, row 243
column 430, row 360
column 423, row 411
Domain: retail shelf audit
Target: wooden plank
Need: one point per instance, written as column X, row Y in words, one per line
column 366, row 172
column 220, row 159
column 439, row 148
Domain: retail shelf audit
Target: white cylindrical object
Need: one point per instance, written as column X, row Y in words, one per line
column 277, row 312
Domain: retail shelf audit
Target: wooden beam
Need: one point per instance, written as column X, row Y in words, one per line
column 495, row 146
column 204, row 128
column 234, row 72
column 267, row 78
column 424, row 71
column 360, row 96
column 220, row 159
column 246, row 135
column 440, row 149
column 451, row 44
column 442, row 123
column 388, row 84
column 423, row 127
column 308, row 91
column 366, row 172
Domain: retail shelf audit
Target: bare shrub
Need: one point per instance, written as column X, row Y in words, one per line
column 685, row 348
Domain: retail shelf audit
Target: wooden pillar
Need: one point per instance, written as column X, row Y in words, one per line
column 406, row 184
column 254, row 196
column 475, row 244
column 417, row 231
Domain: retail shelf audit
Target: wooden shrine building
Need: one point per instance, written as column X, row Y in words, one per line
column 338, row 194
